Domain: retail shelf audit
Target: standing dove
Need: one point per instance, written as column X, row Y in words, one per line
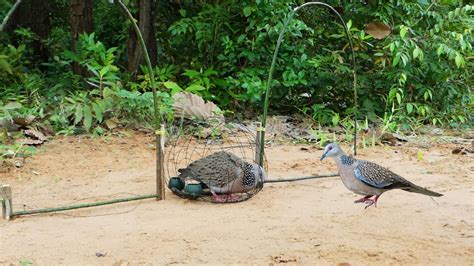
column 369, row 179
column 225, row 173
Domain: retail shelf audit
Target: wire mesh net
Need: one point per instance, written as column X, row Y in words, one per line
column 214, row 162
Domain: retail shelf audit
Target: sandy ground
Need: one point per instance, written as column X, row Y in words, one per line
column 308, row 222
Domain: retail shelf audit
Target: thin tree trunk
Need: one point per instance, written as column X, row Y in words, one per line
column 146, row 18
column 81, row 12
column 35, row 15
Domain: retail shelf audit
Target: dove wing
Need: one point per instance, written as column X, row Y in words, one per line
column 377, row 176
column 217, row 169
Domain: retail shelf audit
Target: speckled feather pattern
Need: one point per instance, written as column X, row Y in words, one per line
column 368, row 178
column 249, row 176
column 347, row 160
column 378, row 176
column 221, row 169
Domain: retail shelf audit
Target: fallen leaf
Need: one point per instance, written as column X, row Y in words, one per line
column 193, row 106
column 28, row 141
column 35, row 135
column 460, row 150
column 24, row 120
column 419, row 155
column 378, row 30
column 112, row 123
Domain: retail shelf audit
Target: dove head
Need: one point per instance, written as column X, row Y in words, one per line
column 332, row 150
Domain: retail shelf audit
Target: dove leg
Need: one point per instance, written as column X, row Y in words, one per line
column 218, row 198
column 364, row 199
column 232, row 198
column 371, row 202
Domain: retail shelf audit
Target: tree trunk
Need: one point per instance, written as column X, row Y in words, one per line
column 35, row 16
column 146, row 18
column 81, row 22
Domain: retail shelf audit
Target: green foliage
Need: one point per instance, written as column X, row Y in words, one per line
column 86, row 108
column 7, row 109
column 10, row 62
column 9, row 152
column 137, row 108
column 97, row 59
column 405, row 75
column 426, row 68
column 419, row 72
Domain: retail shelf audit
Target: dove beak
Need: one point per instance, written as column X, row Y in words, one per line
column 324, row 156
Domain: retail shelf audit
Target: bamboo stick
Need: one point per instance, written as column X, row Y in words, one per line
column 84, row 205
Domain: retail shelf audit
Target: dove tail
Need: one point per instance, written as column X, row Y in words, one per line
column 417, row 189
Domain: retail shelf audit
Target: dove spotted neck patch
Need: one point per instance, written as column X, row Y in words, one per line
column 347, row 160
column 249, row 176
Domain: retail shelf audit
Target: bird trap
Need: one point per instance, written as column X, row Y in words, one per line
column 215, row 162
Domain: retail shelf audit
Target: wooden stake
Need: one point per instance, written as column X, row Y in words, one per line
column 6, row 197
column 160, row 163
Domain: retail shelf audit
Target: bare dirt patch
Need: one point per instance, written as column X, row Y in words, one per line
column 303, row 222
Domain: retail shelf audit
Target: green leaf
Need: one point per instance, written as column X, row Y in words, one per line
column 104, row 71
column 392, row 47
column 399, row 98
column 195, row 88
column 402, row 79
column 403, row 31
column 175, row 88
column 87, row 117
column 191, row 73
column 247, row 11
column 25, row 262
column 4, row 65
column 93, row 70
column 335, row 119
column 419, row 155
column 409, row 108
column 106, row 92
column 71, row 56
column 11, row 106
column 79, row 114
column 404, row 59
column 416, row 52
column 459, row 60
column 99, row 113
column 396, row 59
column 440, row 50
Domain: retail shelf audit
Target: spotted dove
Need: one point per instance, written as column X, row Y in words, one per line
column 369, row 179
column 224, row 173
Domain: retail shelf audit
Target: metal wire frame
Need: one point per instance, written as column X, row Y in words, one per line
column 183, row 147
column 275, row 54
